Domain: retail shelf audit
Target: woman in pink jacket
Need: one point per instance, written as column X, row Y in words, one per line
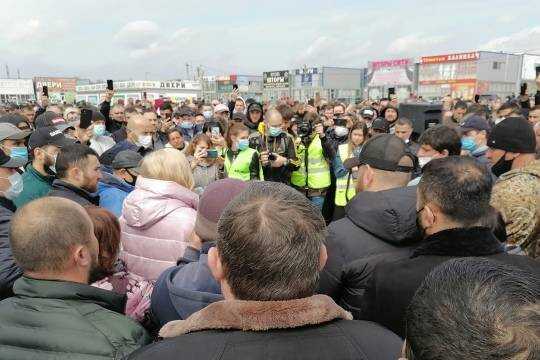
column 159, row 215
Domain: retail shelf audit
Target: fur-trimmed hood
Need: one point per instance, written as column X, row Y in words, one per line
column 258, row 315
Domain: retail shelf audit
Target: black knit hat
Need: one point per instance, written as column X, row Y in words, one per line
column 513, row 134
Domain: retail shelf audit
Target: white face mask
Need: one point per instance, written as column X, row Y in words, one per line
column 341, row 131
column 145, row 141
column 16, row 186
column 423, row 160
column 207, row 114
column 53, row 166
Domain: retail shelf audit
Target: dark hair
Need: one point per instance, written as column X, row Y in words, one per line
column 404, row 121
column 207, row 127
column 172, row 131
column 360, row 125
column 460, row 186
column 269, row 241
column 474, row 308
column 166, row 106
column 460, row 104
column 440, row 138
column 107, row 232
column 514, row 106
column 75, row 155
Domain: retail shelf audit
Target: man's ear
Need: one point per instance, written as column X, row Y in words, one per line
column 323, row 257
column 429, row 215
column 82, row 256
column 214, row 263
column 367, row 177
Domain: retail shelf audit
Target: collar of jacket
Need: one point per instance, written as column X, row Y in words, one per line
column 259, row 315
column 65, row 290
column 475, row 241
column 60, row 184
column 251, row 125
column 45, row 178
column 8, row 204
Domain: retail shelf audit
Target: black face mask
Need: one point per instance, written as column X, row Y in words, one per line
column 134, row 177
column 502, row 166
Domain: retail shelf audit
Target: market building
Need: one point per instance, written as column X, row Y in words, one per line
column 399, row 76
column 530, row 69
column 221, row 87
column 16, row 91
column 176, row 90
column 332, row 83
column 61, row 89
column 465, row 75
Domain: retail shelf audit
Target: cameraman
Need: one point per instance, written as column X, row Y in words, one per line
column 278, row 153
column 313, row 177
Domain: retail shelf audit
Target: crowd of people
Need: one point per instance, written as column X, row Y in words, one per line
column 246, row 230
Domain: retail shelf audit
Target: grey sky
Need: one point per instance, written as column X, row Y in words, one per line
column 126, row 39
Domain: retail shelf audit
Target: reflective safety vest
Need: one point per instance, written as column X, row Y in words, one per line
column 318, row 170
column 239, row 167
column 342, row 193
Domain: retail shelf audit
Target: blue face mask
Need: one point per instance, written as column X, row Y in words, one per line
column 20, row 152
column 274, row 131
column 468, row 144
column 186, row 125
column 242, row 144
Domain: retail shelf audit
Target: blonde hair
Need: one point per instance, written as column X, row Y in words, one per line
column 168, row 165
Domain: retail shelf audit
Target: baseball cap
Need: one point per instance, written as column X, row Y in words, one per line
column 48, row 118
column 14, row 119
column 380, row 124
column 255, row 107
column 514, row 134
column 51, row 135
column 220, row 108
column 239, row 116
column 10, row 131
column 7, row 161
column 127, row 159
column 383, row 152
column 367, row 113
column 475, row 122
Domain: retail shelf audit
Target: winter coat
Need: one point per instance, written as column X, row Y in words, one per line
column 394, row 282
column 82, row 197
column 9, row 271
column 517, row 196
column 112, row 193
column 35, row 186
column 157, row 220
column 374, row 223
column 49, row 319
column 311, row 328
column 186, row 288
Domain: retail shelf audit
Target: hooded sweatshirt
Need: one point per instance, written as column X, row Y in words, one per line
column 186, row 288
column 375, row 223
column 157, row 220
column 253, row 127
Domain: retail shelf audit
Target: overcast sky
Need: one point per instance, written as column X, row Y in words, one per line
column 155, row 38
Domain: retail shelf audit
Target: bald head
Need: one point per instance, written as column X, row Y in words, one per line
column 274, row 118
column 44, row 232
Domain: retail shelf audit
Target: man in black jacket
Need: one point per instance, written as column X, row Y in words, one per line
column 474, row 309
column 267, row 258
column 452, row 207
column 380, row 218
column 78, row 173
column 10, row 187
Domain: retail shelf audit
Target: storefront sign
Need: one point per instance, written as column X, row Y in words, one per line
column 276, row 79
column 56, row 84
column 450, row 58
column 16, row 87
